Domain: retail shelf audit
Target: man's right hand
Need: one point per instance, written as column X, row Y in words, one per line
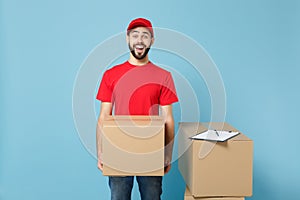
column 100, row 165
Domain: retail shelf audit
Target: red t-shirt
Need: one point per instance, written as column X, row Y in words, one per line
column 137, row 90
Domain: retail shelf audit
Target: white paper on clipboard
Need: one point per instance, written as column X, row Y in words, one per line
column 215, row 135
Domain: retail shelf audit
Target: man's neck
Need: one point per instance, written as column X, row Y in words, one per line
column 132, row 60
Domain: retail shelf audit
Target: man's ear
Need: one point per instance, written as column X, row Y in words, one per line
column 152, row 41
column 127, row 38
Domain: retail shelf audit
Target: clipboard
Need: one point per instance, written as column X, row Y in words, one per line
column 215, row 135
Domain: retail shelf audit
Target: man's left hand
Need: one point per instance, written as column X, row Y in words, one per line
column 167, row 166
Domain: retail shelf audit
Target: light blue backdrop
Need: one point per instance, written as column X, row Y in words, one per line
column 255, row 45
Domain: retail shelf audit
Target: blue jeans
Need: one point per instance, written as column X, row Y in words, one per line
column 149, row 187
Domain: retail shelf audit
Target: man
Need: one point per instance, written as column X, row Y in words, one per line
column 138, row 87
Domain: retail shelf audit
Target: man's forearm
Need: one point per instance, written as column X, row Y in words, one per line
column 169, row 139
column 99, row 140
column 106, row 110
column 169, row 131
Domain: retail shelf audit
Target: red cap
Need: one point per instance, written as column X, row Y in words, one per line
column 140, row 22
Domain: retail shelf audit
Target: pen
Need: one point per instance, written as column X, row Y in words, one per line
column 217, row 133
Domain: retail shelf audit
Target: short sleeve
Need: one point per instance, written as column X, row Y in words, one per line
column 168, row 92
column 105, row 91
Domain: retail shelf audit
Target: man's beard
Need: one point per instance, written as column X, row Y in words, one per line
column 138, row 57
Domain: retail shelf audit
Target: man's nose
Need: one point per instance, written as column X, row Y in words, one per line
column 140, row 38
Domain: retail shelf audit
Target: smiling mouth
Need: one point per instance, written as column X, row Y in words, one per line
column 139, row 48
column 139, row 51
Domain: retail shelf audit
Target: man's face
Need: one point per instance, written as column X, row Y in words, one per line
column 139, row 42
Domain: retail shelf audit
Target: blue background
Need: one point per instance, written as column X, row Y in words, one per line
column 255, row 45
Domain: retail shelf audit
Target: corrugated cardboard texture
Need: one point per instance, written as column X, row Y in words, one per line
column 189, row 196
column 224, row 169
column 133, row 146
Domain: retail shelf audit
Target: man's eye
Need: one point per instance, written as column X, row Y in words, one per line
column 134, row 36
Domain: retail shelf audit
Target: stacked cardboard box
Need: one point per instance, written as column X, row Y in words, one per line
column 215, row 169
column 133, row 146
column 189, row 196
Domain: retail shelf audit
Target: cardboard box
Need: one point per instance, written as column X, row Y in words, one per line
column 215, row 168
column 133, row 146
column 189, row 196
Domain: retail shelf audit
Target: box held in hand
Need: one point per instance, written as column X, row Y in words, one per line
column 133, row 146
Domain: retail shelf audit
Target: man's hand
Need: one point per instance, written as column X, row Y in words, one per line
column 100, row 165
column 167, row 167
